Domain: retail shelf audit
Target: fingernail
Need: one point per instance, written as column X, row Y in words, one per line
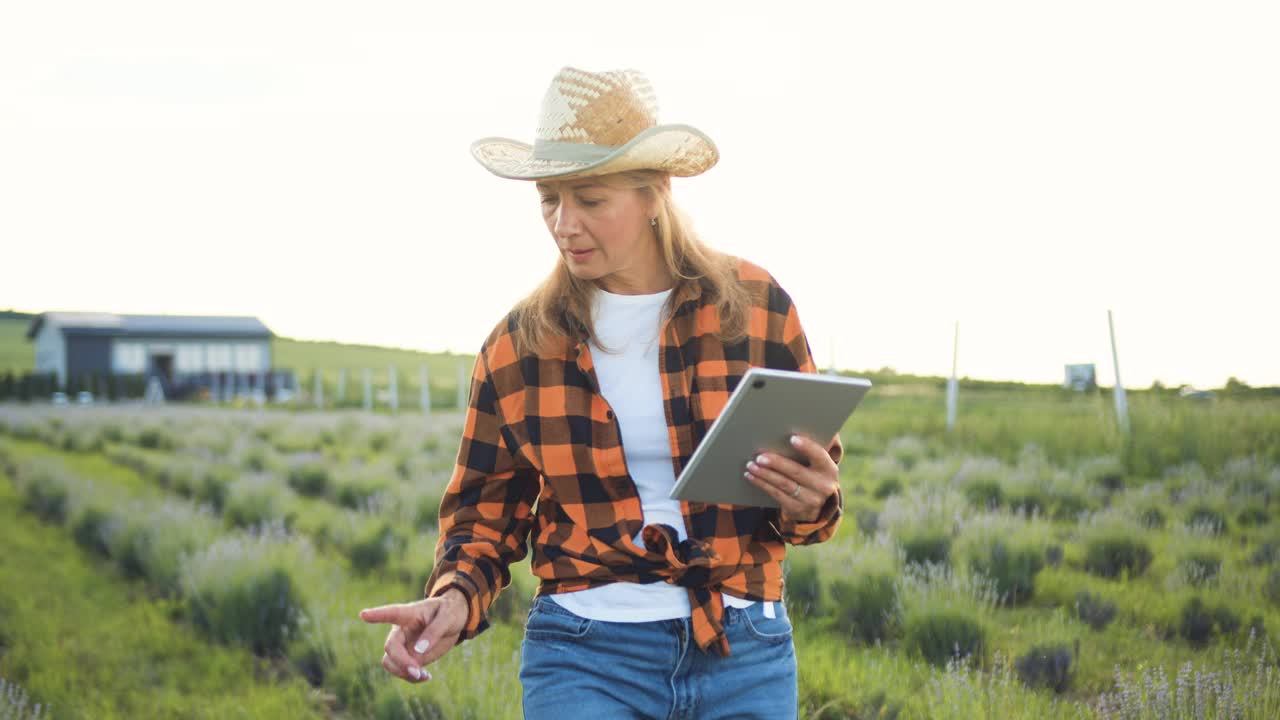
column 415, row 672
column 762, row 459
column 795, row 440
column 751, row 466
column 421, row 647
column 426, row 675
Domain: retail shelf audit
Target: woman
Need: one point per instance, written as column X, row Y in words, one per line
column 586, row 401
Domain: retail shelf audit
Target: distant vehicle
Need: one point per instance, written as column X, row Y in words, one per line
column 1187, row 391
column 84, row 397
column 59, row 398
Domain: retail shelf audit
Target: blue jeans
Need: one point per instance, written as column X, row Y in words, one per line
column 574, row 667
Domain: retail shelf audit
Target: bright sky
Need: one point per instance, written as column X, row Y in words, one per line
column 1018, row 167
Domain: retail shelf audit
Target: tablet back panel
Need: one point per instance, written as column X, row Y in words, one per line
column 764, row 409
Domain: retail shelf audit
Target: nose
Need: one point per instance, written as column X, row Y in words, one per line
column 566, row 220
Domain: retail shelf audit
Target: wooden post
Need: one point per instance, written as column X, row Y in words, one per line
column 393, row 388
column 1122, row 409
column 342, row 386
column 318, row 391
column 368, row 390
column 952, row 384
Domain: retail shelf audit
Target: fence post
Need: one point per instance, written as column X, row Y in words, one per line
column 318, row 392
column 393, row 388
column 342, row 386
column 368, row 390
column 1122, row 409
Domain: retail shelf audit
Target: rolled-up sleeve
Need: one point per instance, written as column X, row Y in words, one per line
column 799, row 357
column 487, row 510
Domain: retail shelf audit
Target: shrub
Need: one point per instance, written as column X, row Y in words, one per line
column 1053, row 555
column 1046, row 666
column 428, row 514
column 984, row 494
column 886, row 487
column 1008, row 551
column 1151, row 517
column 980, row 480
column 868, row 521
column 1200, row 623
column 1097, row 612
column 150, row 541
column 866, row 606
column 240, row 591
column 15, row 704
column 1111, row 551
column 1200, row 566
column 1207, row 517
column 1068, row 503
column 1266, row 553
column 926, row 546
column 1012, row 568
column 154, row 438
column 907, row 450
column 941, row 633
column 1105, row 472
column 93, row 529
column 803, row 586
column 371, row 551
column 1271, row 589
column 1253, row 515
column 257, row 499
column 47, row 496
column 310, row 479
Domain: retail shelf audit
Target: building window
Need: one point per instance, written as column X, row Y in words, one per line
column 248, row 358
column 129, row 357
column 189, row 358
column 219, row 357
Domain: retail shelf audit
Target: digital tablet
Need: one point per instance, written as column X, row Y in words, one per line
column 763, row 411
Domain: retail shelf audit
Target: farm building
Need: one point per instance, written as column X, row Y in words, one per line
column 183, row 352
column 1080, row 377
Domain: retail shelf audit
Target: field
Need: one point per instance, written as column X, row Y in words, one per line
column 1032, row 563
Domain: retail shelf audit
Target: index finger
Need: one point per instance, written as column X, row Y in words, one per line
column 397, row 613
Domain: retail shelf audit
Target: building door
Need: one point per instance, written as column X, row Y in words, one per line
column 162, row 365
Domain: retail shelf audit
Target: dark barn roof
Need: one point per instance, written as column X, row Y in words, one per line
column 81, row 323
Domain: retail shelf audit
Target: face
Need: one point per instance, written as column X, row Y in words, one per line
column 603, row 233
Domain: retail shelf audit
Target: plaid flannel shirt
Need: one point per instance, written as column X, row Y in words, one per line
column 541, row 458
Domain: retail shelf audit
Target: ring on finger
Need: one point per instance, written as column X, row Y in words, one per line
column 796, row 493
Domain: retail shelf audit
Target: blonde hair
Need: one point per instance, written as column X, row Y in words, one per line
column 559, row 309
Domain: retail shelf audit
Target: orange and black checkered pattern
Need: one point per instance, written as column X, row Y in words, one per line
column 541, row 459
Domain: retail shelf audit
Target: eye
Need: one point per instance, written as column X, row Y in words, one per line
column 548, row 199
column 590, row 203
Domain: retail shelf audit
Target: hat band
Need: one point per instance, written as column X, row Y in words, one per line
column 571, row 151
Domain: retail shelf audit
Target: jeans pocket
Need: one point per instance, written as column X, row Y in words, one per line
column 767, row 629
column 549, row 621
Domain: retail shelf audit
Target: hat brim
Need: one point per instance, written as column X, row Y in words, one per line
column 681, row 150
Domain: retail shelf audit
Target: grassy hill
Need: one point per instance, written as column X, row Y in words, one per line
column 15, row 352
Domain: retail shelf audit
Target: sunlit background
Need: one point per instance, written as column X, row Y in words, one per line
column 1017, row 167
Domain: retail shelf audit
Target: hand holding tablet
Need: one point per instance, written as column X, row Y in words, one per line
column 765, row 409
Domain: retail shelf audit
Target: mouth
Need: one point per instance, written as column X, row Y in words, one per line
column 579, row 254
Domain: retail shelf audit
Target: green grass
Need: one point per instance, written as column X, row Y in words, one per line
column 16, row 353
column 77, row 636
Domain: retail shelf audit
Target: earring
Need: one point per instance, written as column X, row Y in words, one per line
column 653, row 223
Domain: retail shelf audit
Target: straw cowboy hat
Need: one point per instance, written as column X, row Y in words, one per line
column 593, row 123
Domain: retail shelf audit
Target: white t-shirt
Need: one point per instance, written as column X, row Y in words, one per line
column 629, row 325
